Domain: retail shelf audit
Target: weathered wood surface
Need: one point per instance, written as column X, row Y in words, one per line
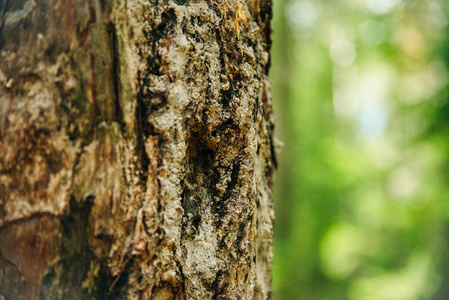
column 136, row 150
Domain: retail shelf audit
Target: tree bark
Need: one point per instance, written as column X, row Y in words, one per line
column 136, row 150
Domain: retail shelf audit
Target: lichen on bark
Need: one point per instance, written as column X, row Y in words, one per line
column 136, row 149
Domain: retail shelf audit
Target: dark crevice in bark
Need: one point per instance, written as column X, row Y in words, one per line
column 185, row 194
column 227, row 95
column 65, row 278
column 200, row 164
column 161, row 32
column 142, row 132
column 215, row 287
column 116, row 73
column 264, row 18
column 234, row 180
column 221, row 206
column 240, row 235
column 182, row 284
column 196, row 222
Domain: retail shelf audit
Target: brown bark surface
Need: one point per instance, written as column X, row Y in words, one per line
column 136, row 150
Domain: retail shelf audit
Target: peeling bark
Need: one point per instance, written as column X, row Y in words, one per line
column 136, row 149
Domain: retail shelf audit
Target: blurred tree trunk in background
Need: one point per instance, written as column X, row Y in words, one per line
column 136, row 150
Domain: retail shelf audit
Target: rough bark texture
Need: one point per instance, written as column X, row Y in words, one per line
column 136, row 153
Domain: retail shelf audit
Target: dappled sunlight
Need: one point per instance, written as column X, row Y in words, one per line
column 416, row 280
column 362, row 108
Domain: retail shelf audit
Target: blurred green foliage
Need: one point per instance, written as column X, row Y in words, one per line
column 360, row 89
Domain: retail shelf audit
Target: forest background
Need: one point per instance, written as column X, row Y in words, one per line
column 360, row 89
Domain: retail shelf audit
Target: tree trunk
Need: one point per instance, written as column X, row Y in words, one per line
column 136, row 149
